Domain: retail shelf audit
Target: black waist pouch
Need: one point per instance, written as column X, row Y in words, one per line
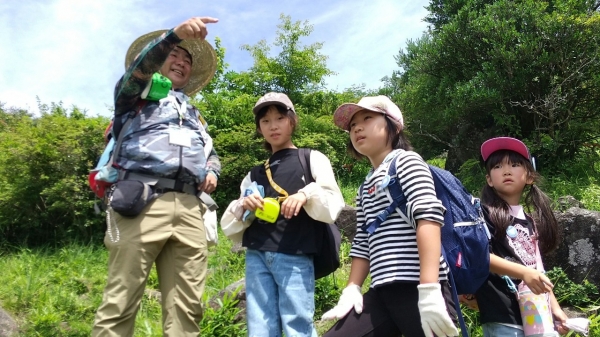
column 130, row 197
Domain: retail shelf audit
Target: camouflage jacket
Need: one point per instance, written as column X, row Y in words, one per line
column 147, row 147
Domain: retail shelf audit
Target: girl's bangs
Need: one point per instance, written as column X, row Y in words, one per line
column 510, row 156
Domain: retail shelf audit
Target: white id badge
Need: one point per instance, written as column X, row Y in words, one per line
column 179, row 136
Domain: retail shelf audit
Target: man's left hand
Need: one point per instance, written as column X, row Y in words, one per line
column 209, row 184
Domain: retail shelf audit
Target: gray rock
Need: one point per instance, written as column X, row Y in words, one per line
column 574, row 312
column 240, row 297
column 346, row 222
column 566, row 202
column 237, row 248
column 155, row 294
column 8, row 326
column 578, row 252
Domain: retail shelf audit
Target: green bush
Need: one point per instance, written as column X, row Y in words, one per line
column 44, row 162
column 569, row 293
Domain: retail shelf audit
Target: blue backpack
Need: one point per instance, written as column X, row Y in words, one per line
column 465, row 237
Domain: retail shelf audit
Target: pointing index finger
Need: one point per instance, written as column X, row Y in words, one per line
column 208, row 19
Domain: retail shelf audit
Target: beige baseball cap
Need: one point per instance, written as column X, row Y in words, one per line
column 274, row 98
column 382, row 104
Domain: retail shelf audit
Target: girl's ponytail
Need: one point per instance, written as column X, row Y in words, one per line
column 545, row 221
column 498, row 211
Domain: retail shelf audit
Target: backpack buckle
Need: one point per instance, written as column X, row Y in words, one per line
column 383, row 215
column 373, row 225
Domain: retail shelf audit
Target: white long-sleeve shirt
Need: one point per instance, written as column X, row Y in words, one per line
column 324, row 199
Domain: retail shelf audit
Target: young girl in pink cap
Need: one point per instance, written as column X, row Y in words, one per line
column 403, row 255
column 511, row 178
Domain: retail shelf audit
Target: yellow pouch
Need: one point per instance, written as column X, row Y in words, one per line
column 270, row 210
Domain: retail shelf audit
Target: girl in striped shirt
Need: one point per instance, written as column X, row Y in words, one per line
column 408, row 290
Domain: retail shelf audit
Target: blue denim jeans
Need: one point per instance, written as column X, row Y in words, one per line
column 280, row 294
column 500, row 330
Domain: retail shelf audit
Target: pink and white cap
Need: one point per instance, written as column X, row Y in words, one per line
column 504, row 143
column 273, row 98
column 382, row 104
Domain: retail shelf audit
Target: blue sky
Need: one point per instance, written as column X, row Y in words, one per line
column 73, row 51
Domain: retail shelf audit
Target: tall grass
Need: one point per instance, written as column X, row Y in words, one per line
column 55, row 292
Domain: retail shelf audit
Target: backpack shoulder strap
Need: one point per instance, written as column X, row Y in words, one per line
column 116, row 124
column 254, row 172
column 117, row 132
column 304, row 156
column 394, row 187
column 398, row 198
column 108, row 131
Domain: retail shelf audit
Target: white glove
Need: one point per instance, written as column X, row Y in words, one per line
column 351, row 298
column 432, row 307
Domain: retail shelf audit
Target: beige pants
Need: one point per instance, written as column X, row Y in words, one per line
column 169, row 232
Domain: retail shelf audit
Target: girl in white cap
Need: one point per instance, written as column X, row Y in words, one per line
column 403, row 255
column 280, row 274
column 518, row 239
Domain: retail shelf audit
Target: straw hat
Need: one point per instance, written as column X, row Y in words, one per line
column 204, row 59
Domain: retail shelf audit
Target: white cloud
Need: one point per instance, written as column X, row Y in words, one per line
column 73, row 51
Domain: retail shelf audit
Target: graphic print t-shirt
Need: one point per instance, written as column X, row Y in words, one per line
column 496, row 303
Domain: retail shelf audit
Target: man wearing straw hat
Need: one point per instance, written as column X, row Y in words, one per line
column 164, row 145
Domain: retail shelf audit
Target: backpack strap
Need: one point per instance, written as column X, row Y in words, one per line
column 120, row 135
column 254, row 172
column 398, row 199
column 108, row 131
column 115, row 126
column 304, row 156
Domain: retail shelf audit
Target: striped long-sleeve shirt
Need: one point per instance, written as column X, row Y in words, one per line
column 392, row 248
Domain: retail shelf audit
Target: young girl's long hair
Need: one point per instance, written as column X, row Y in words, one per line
column 289, row 114
column 536, row 202
column 394, row 137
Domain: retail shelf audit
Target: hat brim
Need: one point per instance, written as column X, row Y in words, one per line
column 204, row 59
column 503, row 143
column 257, row 108
column 344, row 113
